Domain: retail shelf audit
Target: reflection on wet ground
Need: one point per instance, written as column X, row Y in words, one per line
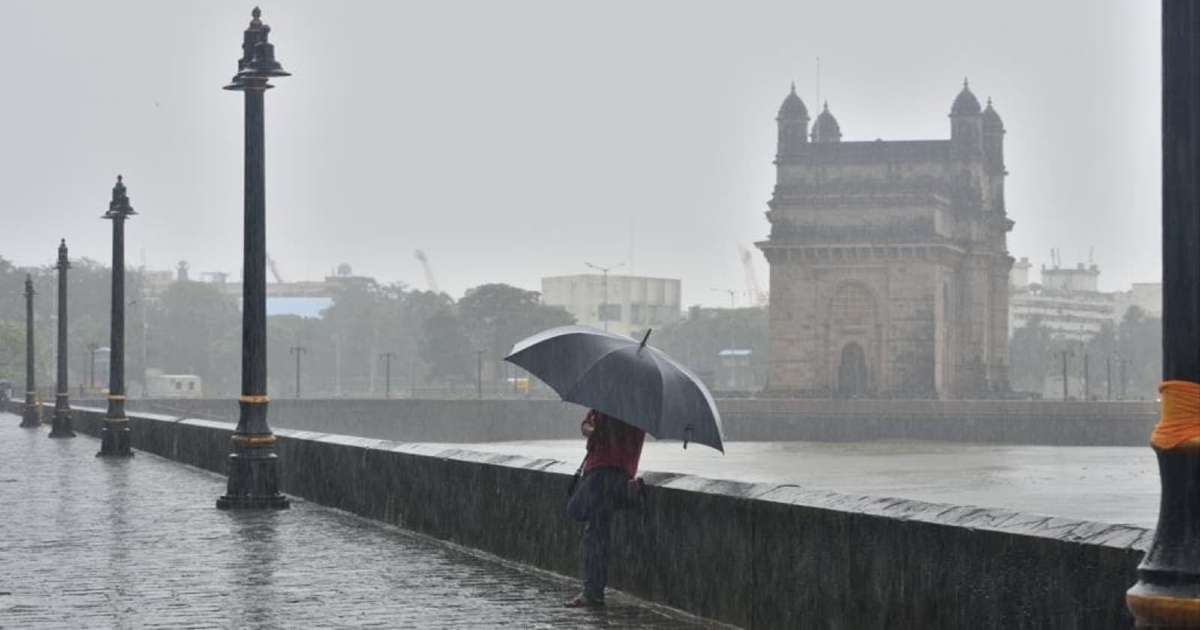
column 1107, row 484
column 87, row 542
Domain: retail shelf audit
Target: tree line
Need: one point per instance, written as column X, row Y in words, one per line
column 1123, row 360
column 438, row 346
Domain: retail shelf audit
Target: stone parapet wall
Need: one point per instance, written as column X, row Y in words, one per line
column 754, row 555
column 1009, row 422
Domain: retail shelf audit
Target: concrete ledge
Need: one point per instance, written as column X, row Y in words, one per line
column 1009, row 422
column 754, row 555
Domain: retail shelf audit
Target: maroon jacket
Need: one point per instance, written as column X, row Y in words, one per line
column 613, row 443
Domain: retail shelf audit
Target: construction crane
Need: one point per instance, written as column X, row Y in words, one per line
column 757, row 297
column 429, row 281
column 274, row 269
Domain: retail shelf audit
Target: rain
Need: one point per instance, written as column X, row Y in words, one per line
column 539, row 315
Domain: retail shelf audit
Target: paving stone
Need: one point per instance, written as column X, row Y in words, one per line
column 138, row 543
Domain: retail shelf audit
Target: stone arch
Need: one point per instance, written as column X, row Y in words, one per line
column 854, row 339
column 853, row 305
column 853, row 377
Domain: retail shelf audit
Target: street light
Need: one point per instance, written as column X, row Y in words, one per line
column 61, row 424
column 387, row 379
column 254, row 464
column 92, row 348
column 297, row 350
column 1065, row 354
column 1167, row 593
column 29, row 417
column 1087, row 384
column 114, row 437
column 604, row 306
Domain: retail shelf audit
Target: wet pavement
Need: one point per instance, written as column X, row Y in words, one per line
column 1095, row 483
column 138, row 543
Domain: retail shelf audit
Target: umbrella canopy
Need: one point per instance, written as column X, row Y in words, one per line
column 625, row 379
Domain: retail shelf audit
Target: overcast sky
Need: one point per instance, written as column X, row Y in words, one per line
column 515, row 140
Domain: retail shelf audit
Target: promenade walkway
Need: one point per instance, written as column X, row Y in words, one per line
column 138, row 543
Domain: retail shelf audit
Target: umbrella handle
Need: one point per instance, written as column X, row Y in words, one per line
column 575, row 478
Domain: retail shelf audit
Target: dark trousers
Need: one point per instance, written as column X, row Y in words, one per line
column 601, row 492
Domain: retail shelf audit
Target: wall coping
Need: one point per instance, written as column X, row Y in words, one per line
column 1112, row 535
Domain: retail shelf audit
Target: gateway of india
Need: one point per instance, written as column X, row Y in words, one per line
column 888, row 262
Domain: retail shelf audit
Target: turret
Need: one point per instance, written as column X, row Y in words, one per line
column 966, row 123
column 793, row 124
column 993, row 139
column 826, row 129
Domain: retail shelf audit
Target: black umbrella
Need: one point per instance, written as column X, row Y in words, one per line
column 625, row 379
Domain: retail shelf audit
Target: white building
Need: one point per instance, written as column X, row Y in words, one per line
column 1144, row 295
column 159, row 385
column 626, row 304
column 1068, row 301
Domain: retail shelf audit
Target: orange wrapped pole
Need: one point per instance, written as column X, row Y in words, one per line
column 1167, row 593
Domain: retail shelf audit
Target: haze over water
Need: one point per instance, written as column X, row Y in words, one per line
column 1105, row 484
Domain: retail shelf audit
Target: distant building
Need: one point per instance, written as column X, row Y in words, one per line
column 1081, row 279
column 306, row 307
column 889, row 263
column 627, row 304
column 1019, row 276
column 1067, row 303
column 736, row 370
column 306, row 298
column 1144, row 295
column 155, row 282
column 159, row 385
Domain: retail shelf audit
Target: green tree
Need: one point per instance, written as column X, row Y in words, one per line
column 446, row 349
column 198, row 327
column 354, row 324
column 697, row 340
column 417, row 309
column 1134, row 346
column 1139, row 343
column 1030, row 351
column 12, row 354
column 496, row 316
column 89, row 286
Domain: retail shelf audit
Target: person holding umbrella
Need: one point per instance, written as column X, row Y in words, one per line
column 608, row 485
column 631, row 389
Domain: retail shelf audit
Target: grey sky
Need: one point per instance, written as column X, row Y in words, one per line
column 515, row 140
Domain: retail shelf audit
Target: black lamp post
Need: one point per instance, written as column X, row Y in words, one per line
column 29, row 416
column 479, row 374
column 298, row 350
column 1167, row 593
column 1065, row 354
column 114, row 437
column 61, row 424
column 92, row 348
column 387, row 358
column 253, row 464
column 1087, row 384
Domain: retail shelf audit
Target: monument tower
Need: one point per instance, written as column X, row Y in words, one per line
column 888, row 261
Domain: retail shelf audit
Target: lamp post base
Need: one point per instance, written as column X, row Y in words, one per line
column 30, row 419
column 1167, row 594
column 114, row 439
column 253, row 479
column 61, row 425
